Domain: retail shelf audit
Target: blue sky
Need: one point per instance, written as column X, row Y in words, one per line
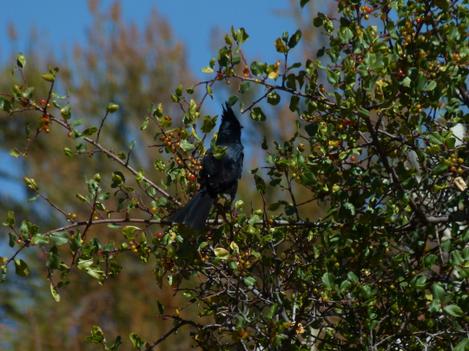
column 61, row 23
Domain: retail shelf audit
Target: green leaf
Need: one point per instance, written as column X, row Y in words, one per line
column 28, row 92
column 352, row 277
column 89, row 267
column 20, row 60
column 5, row 105
column 218, row 151
column 233, row 99
column 54, row 293
column 21, row 268
column 30, row 183
column 97, row 335
column 89, row 131
column 440, row 168
column 40, row 239
column 318, row 21
column 272, row 311
column 15, row 153
column 112, row 107
column 454, row 310
column 438, row 291
column 350, row 208
column 118, row 179
column 207, row 70
column 420, row 282
column 10, row 220
column 208, row 124
column 273, row 98
column 249, row 281
column 311, row 129
column 66, row 111
column 186, row 146
column 49, row 77
column 129, row 231
column 260, row 184
column 345, row 35
column 280, row 46
column 429, row 86
column 241, row 35
column 137, row 342
column 328, row 280
column 333, row 77
column 345, row 286
column 463, row 345
column 117, row 343
column 244, row 87
column 258, row 68
column 235, row 59
column 257, row 114
column 303, row 2
column 406, row 82
column 11, row 239
column 294, row 39
column 294, row 103
column 221, row 253
column 59, row 238
column 81, row 197
column 68, row 152
column 234, row 247
column 178, row 90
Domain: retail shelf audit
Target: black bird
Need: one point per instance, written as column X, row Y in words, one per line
column 219, row 175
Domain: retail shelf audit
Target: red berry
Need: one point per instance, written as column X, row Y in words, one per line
column 347, row 122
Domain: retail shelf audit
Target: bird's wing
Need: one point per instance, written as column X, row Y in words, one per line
column 219, row 174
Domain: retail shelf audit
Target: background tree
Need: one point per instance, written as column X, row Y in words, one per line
column 384, row 266
column 117, row 63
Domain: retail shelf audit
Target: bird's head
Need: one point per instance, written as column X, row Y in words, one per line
column 230, row 128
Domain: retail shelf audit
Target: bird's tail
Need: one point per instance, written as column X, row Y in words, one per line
column 196, row 211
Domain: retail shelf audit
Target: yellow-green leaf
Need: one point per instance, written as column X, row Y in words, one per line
column 49, row 77
column 112, row 107
column 221, row 253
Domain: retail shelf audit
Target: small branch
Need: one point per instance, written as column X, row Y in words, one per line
column 49, row 95
column 209, row 83
column 51, row 204
column 101, row 126
column 464, row 95
column 174, row 329
column 391, row 171
column 321, row 98
column 21, row 248
column 123, row 163
column 88, row 225
column 106, row 221
column 274, row 223
column 292, row 195
column 255, row 102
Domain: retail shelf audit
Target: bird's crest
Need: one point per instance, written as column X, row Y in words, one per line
column 228, row 114
column 230, row 128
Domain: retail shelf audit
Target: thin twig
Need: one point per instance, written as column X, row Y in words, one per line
column 255, row 102
column 101, row 126
column 123, row 163
column 174, row 329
